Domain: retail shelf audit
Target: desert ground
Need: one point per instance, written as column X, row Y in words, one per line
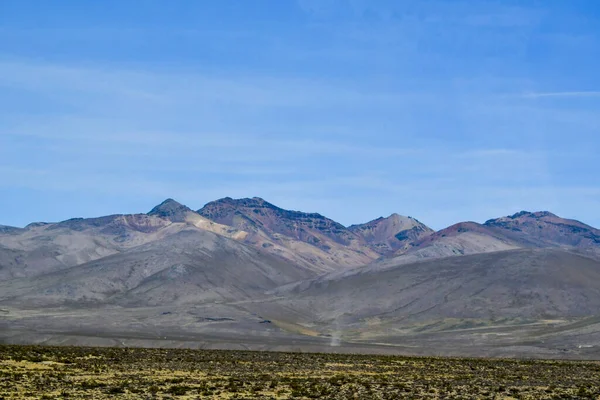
column 37, row 372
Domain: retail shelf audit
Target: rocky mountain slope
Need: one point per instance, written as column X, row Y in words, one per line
column 190, row 266
column 4, row 229
column 525, row 302
column 463, row 238
column 45, row 247
column 516, row 302
column 528, row 284
column 518, row 231
column 544, row 229
column 305, row 238
column 391, row 234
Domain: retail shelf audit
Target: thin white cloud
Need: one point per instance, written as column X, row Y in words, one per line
column 499, row 152
column 535, row 95
column 174, row 89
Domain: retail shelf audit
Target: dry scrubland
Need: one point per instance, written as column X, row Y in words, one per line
column 70, row 372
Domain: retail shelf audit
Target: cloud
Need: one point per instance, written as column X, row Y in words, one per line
column 536, row 95
column 495, row 152
column 171, row 115
column 160, row 89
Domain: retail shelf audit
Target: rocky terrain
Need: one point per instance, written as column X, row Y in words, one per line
column 244, row 273
column 544, row 229
column 190, row 266
column 519, row 231
column 305, row 238
column 392, row 234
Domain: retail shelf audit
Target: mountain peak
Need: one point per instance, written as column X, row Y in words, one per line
column 402, row 219
column 167, row 204
column 522, row 215
column 545, row 229
column 9, row 229
column 269, row 221
column 241, row 201
column 170, row 209
column 536, row 214
column 389, row 234
column 211, row 209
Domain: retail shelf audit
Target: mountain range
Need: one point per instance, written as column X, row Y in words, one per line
column 244, row 273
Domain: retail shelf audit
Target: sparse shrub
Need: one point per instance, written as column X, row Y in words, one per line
column 178, row 390
column 116, row 390
column 92, row 384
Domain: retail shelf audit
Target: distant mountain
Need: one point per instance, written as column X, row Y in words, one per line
column 190, row 266
column 171, row 210
column 460, row 239
column 175, row 212
column 307, row 238
column 9, row 229
column 542, row 229
column 247, row 270
column 45, row 247
column 388, row 235
column 502, row 288
column 522, row 230
column 256, row 214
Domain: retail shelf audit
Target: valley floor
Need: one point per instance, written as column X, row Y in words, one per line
column 230, row 327
column 86, row 372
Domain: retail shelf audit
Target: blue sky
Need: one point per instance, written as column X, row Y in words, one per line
column 445, row 110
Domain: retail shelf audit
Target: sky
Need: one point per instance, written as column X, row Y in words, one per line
column 446, row 110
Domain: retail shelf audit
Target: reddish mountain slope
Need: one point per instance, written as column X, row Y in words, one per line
column 303, row 237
